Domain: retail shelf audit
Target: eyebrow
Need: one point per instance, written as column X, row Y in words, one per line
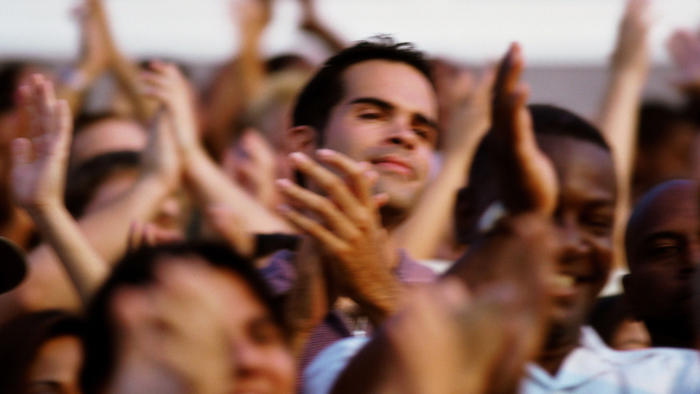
column 388, row 106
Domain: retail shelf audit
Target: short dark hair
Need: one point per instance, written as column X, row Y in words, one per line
column 137, row 269
column 325, row 90
column 546, row 120
column 83, row 181
column 21, row 339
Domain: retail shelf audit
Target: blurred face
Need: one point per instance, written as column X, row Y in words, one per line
column 388, row 117
column 664, row 252
column 262, row 361
column 109, row 135
column 56, row 367
column 584, row 218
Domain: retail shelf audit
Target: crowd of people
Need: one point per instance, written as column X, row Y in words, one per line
column 269, row 232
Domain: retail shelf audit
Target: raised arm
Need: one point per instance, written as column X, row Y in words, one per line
column 243, row 78
column 619, row 114
column 211, row 186
column 95, row 58
column 38, row 182
column 126, row 71
column 107, row 230
column 311, row 23
column 421, row 234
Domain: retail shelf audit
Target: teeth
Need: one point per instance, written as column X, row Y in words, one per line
column 562, row 280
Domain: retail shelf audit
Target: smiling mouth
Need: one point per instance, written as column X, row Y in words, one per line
column 567, row 285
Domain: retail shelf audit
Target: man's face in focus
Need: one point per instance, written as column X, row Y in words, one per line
column 388, row 117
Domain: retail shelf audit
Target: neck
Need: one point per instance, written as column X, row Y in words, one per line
column 678, row 332
column 560, row 342
column 392, row 217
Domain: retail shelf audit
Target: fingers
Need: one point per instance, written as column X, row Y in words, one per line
column 334, row 186
column 313, row 228
column 360, row 176
column 321, row 205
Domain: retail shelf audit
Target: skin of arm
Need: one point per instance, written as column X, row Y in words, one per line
column 209, row 184
column 312, row 24
column 243, row 78
column 620, row 111
column 107, row 230
column 38, row 170
column 94, row 60
column 425, row 228
column 126, row 71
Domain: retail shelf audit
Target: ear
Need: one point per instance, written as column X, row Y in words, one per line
column 300, row 139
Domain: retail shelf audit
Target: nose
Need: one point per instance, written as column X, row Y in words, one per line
column 401, row 133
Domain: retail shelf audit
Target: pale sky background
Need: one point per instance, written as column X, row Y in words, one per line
column 553, row 32
column 567, row 43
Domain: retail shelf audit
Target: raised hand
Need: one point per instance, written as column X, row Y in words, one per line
column 528, row 179
column 348, row 228
column 684, row 49
column 632, row 49
column 39, row 163
column 252, row 162
column 161, row 159
column 167, row 84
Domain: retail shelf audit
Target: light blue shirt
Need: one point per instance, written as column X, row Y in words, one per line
column 592, row 368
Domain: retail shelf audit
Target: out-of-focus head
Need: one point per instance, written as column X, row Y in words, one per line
column 102, row 133
column 663, row 251
column 665, row 146
column 271, row 112
column 41, row 352
column 585, row 212
column 254, row 321
column 374, row 102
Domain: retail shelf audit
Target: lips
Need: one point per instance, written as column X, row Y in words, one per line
column 564, row 285
column 393, row 163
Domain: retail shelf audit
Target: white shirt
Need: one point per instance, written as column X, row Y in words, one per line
column 592, row 368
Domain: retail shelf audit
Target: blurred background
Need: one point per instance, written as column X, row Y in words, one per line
column 567, row 43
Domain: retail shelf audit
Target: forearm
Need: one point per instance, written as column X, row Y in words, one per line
column 211, row 187
column 76, row 83
column 108, row 229
column 308, row 303
column 128, row 77
column 251, row 68
column 84, row 265
column 425, row 228
column 619, row 117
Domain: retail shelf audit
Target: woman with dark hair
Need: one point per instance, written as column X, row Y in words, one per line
column 41, row 352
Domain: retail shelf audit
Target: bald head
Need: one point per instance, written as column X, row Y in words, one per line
column 663, row 251
column 670, row 207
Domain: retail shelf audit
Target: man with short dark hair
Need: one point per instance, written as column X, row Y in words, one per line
column 372, row 111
